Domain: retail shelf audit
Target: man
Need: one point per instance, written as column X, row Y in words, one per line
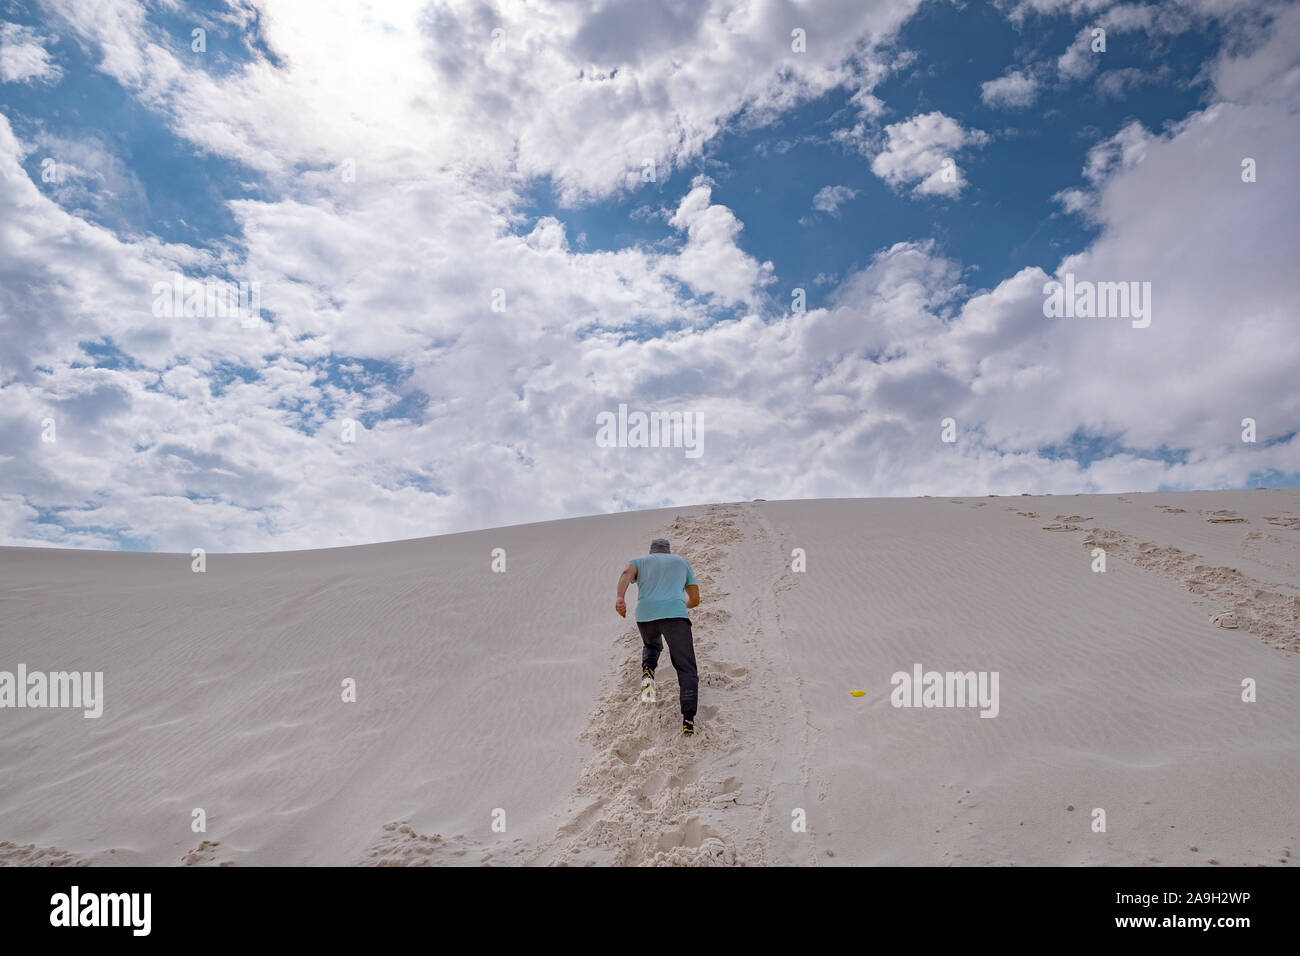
column 662, row 578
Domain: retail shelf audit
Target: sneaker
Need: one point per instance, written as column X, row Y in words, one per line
column 688, row 728
column 647, row 690
column 647, row 672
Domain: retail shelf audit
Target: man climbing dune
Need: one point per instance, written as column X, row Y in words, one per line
column 665, row 588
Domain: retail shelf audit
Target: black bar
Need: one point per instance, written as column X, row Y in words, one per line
column 332, row 905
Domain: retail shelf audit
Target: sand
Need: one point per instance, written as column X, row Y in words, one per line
column 497, row 719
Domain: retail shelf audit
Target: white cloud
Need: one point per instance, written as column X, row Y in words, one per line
column 868, row 105
column 1116, row 84
column 922, row 150
column 828, row 199
column 711, row 262
column 1270, row 73
column 1015, row 90
column 23, row 57
column 1079, row 61
column 1073, row 200
column 85, row 177
column 1120, row 151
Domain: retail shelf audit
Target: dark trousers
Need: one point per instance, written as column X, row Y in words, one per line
column 681, row 651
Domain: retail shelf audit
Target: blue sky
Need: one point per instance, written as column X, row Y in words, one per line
column 389, row 177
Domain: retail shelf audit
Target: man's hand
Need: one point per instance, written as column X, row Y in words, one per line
column 620, row 607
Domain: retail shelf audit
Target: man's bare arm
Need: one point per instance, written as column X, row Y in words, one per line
column 624, row 579
column 692, row 595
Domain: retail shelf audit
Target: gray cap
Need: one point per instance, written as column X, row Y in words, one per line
column 659, row 546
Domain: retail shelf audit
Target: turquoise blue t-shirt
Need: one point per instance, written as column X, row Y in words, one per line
column 661, row 580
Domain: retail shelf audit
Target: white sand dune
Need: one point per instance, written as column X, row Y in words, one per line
column 512, row 697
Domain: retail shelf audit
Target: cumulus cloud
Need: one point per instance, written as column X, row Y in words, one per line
column 23, row 58
column 1015, row 90
column 828, row 199
column 712, row 262
column 1117, row 84
column 1079, row 61
column 1073, row 199
column 922, row 150
column 1123, row 150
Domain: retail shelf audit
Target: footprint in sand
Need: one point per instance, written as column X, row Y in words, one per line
column 1225, row 517
column 29, row 854
column 205, row 854
column 710, row 616
column 401, row 845
column 722, row 674
column 629, row 750
column 1291, row 524
column 730, row 791
column 693, row 844
column 1066, row 523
